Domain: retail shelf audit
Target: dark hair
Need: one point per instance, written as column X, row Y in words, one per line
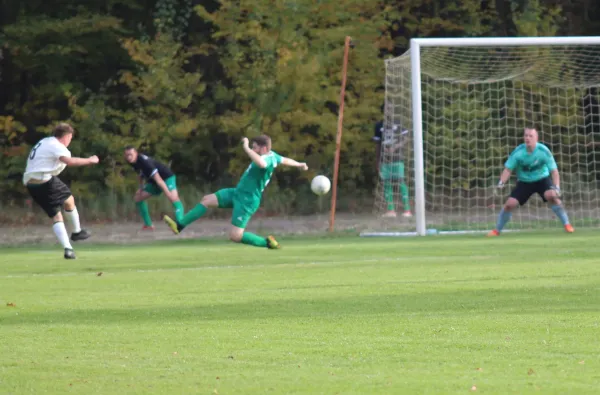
column 263, row 141
column 130, row 147
column 62, row 129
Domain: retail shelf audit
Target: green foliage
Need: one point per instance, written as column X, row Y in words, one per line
column 185, row 80
column 283, row 64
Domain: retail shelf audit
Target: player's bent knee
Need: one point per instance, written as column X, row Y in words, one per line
column 57, row 218
column 511, row 204
column 210, row 200
column 69, row 204
column 554, row 201
column 235, row 237
column 235, row 234
column 139, row 196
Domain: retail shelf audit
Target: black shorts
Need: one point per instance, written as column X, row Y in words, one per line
column 523, row 190
column 50, row 195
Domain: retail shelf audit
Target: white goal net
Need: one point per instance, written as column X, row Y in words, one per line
column 475, row 103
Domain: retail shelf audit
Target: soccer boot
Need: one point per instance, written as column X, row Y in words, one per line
column 390, row 214
column 407, row 214
column 81, row 235
column 272, row 244
column 569, row 228
column 148, row 227
column 175, row 226
column 69, row 254
column 493, row 233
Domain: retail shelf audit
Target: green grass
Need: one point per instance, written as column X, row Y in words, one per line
column 515, row 314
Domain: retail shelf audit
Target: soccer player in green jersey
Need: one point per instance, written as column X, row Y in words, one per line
column 536, row 173
column 155, row 178
column 390, row 144
column 245, row 198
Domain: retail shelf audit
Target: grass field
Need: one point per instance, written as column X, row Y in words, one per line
column 439, row 315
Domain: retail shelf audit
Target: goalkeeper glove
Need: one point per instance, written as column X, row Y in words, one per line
column 500, row 185
column 556, row 189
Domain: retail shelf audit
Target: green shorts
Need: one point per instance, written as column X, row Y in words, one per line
column 155, row 190
column 243, row 207
column 392, row 170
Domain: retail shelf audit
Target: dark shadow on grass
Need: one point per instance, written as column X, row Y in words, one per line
column 563, row 300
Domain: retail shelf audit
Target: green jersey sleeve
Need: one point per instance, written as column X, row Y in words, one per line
column 273, row 159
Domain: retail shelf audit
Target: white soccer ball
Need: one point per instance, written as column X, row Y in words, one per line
column 320, row 185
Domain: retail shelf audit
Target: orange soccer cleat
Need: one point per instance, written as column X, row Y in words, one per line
column 493, row 233
column 569, row 228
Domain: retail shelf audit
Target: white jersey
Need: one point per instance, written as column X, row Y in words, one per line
column 43, row 162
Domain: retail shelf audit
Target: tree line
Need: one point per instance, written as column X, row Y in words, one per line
column 184, row 80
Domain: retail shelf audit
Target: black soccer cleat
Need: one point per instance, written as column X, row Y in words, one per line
column 82, row 235
column 69, row 254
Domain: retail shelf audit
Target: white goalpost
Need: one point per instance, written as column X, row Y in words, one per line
column 465, row 103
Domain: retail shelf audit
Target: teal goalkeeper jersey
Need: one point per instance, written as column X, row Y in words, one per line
column 531, row 167
column 255, row 179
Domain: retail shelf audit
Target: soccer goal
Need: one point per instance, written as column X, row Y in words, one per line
column 465, row 103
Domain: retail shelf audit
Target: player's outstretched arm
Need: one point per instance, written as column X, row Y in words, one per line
column 504, row 177
column 292, row 163
column 256, row 158
column 92, row 160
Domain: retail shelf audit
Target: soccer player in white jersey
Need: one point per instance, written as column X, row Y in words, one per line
column 47, row 159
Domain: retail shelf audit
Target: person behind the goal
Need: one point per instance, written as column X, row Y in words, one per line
column 155, row 178
column 536, row 173
column 245, row 198
column 391, row 145
column 47, row 159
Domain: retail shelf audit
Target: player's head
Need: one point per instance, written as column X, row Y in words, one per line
column 63, row 133
column 531, row 137
column 131, row 154
column 261, row 144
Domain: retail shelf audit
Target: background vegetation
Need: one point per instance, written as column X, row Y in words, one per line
column 185, row 79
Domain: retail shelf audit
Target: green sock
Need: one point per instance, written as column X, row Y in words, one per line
column 193, row 215
column 388, row 194
column 405, row 199
column 178, row 208
column 254, row 240
column 143, row 210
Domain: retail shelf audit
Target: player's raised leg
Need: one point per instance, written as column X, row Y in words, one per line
column 140, row 197
column 556, row 205
column 72, row 216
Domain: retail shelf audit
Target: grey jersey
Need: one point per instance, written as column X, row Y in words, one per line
column 395, row 136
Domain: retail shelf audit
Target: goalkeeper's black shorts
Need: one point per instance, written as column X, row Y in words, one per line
column 523, row 190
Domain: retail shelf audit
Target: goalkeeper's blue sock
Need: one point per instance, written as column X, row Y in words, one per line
column 561, row 213
column 503, row 218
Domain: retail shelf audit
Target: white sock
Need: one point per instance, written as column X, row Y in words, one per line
column 73, row 218
column 61, row 234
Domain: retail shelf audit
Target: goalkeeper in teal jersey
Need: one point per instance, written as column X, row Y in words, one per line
column 536, row 173
column 245, row 198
